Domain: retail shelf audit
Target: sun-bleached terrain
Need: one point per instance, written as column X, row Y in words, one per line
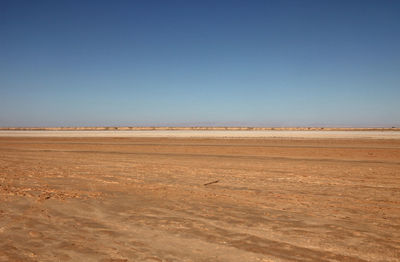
column 189, row 197
column 206, row 133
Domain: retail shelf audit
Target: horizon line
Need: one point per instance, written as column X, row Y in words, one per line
column 172, row 128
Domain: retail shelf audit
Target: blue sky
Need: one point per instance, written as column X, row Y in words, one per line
column 257, row 63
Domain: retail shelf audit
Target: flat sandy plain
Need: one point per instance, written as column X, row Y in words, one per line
column 94, row 197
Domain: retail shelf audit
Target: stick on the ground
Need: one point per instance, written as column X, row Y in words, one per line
column 213, row 182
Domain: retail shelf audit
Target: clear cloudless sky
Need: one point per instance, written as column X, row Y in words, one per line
column 254, row 63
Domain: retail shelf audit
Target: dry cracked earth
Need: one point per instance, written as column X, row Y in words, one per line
column 145, row 199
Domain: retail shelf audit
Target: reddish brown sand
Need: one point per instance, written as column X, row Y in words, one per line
column 144, row 199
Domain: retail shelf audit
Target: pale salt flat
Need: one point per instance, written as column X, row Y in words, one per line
column 210, row 134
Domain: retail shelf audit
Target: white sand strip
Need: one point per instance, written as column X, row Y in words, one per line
column 210, row 134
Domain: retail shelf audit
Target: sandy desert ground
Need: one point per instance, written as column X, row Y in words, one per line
column 145, row 199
